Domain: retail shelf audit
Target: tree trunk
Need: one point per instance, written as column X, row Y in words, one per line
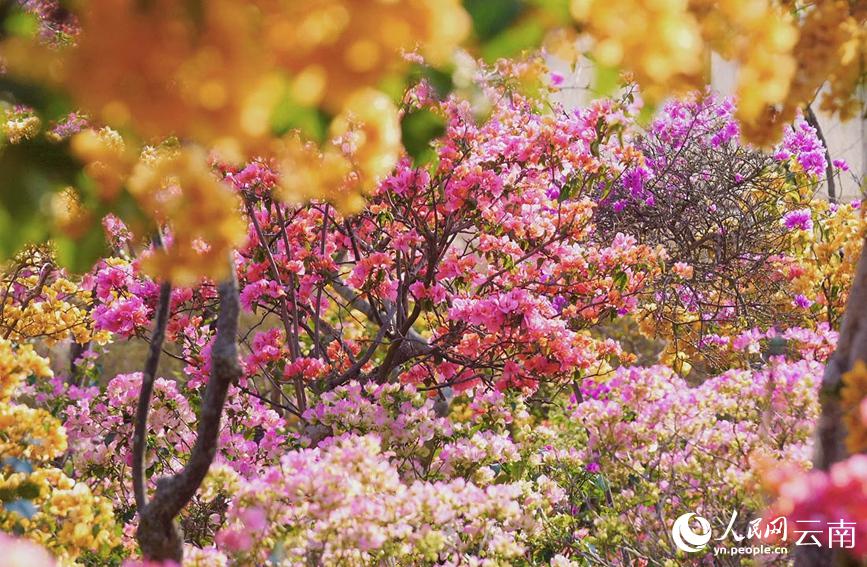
column 830, row 431
column 158, row 532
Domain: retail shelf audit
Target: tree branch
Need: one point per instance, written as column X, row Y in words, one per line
column 357, row 303
column 144, row 398
column 813, row 121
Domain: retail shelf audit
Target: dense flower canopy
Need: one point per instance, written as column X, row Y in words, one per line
column 358, row 300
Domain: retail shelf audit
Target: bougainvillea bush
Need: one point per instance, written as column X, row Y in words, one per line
column 438, row 377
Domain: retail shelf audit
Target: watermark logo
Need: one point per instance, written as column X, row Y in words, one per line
column 685, row 538
column 759, row 536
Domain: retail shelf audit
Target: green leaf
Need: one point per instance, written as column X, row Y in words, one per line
column 80, row 254
column 609, row 184
column 620, row 280
column 30, row 173
column 419, row 129
column 48, row 103
column 607, row 80
column 559, row 9
column 492, row 18
column 568, row 189
column 514, row 40
column 289, row 115
column 21, row 24
column 28, row 490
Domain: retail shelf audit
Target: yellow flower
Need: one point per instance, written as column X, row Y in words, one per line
column 69, row 518
column 16, row 364
column 106, row 157
column 782, row 61
column 369, row 131
column 179, row 189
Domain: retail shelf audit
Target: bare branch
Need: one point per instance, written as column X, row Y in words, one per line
column 144, row 398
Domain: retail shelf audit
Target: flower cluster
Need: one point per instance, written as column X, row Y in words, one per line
column 742, row 246
column 42, row 301
column 346, row 504
column 36, row 498
column 783, row 61
column 659, row 444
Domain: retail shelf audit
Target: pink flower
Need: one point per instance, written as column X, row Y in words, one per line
column 254, row 519
column 556, row 78
column 23, row 553
column 253, row 291
column 234, row 540
column 841, row 164
column 122, row 316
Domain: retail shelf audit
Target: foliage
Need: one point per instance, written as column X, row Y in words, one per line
column 786, row 51
column 227, row 76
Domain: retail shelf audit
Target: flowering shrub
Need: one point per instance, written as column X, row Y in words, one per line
column 345, row 503
column 748, row 245
column 99, row 428
column 433, row 379
column 688, row 448
column 36, row 497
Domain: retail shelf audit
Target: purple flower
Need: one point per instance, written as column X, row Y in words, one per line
column 725, row 134
column 634, row 181
column 801, row 301
column 801, row 219
column 801, row 142
column 841, row 164
column 556, row 79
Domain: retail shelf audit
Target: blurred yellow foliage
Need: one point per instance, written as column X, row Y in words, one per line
column 212, row 74
column 364, row 148
column 181, row 191
column 783, row 58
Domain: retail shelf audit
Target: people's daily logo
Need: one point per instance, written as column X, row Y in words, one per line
column 685, row 538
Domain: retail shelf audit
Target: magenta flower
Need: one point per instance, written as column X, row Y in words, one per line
column 841, row 164
column 802, row 219
column 556, row 79
column 801, row 142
